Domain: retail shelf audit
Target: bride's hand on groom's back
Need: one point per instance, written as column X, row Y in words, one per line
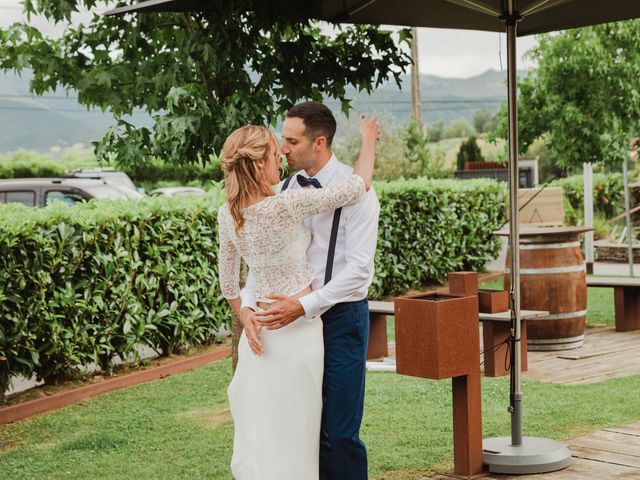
column 251, row 330
column 280, row 313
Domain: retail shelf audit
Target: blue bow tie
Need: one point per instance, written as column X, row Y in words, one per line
column 305, row 182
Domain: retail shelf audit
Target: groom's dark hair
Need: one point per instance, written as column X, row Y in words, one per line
column 317, row 118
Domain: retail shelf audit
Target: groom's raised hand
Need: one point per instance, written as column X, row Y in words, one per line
column 280, row 313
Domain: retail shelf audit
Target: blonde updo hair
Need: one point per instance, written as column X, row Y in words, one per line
column 243, row 177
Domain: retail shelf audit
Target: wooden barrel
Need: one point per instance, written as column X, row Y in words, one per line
column 553, row 278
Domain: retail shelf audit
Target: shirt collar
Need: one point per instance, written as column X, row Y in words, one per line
column 326, row 172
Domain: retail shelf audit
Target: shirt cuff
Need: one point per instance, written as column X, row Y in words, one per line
column 311, row 305
column 248, row 301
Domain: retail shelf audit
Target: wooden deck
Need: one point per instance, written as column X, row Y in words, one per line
column 605, row 354
column 612, row 453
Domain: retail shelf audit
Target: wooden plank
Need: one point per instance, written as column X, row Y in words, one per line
column 599, row 344
column 506, row 316
column 606, row 457
column 381, row 307
column 610, row 442
column 605, row 460
column 580, row 469
column 632, row 429
column 613, row 281
column 600, row 359
column 602, row 350
column 591, row 374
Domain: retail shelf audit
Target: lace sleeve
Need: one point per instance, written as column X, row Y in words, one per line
column 228, row 259
column 306, row 202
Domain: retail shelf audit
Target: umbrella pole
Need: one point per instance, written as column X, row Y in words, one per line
column 516, row 454
column 514, row 237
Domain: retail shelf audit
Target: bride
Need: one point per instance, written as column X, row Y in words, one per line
column 276, row 393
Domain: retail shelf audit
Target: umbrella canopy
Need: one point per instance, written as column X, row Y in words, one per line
column 538, row 16
column 515, row 454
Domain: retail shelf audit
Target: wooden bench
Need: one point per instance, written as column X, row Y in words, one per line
column 626, row 300
column 378, row 342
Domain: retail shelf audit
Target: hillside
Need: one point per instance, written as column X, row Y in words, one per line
column 39, row 123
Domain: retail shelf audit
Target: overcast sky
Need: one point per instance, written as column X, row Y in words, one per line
column 447, row 53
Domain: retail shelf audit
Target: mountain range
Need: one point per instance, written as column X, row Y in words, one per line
column 57, row 120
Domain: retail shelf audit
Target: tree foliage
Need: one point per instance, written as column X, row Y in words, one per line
column 200, row 74
column 484, row 120
column 458, row 129
column 469, row 152
column 583, row 94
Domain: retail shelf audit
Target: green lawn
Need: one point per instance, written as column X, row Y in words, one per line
column 179, row 427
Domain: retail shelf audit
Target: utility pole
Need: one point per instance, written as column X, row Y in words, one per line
column 415, row 78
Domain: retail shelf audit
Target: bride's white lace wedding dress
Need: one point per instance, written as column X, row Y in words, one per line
column 276, row 398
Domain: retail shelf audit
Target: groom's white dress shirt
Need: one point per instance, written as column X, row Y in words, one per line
column 355, row 248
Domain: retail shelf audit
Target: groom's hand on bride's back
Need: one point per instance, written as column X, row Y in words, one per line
column 280, row 313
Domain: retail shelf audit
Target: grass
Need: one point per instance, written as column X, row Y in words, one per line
column 179, row 427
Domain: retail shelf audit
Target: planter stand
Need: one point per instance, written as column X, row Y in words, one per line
column 437, row 337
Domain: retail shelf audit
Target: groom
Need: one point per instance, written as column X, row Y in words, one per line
column 341, row 256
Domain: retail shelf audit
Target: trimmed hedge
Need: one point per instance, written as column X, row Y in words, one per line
column 86, row 284
column 429, row 228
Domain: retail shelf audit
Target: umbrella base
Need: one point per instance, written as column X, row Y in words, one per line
column 535, row 455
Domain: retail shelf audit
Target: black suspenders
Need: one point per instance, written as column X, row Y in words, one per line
column 332, row 240
column 286, row 183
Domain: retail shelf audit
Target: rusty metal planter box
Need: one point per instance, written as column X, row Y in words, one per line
column 436, row 335
column 493, row 301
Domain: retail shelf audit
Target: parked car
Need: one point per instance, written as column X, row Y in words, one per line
column 108, row 174
column 39, row 192
column 176, row 191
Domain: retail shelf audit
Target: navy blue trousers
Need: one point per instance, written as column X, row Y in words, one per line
column 343, row 456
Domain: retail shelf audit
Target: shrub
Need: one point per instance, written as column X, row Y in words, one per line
column 87, row 284
column 458, row 129
column 484, row 120
column 401, row 153
column 435, row 131
column 608, row 194
column 429, row 228
column 469, row 152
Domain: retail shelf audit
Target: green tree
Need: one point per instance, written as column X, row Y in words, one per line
column 482, row 120
column 457, row 129
column 421, row 161
column 435, row 131
column 199, row 75
column 469, row 152
column 583, row 95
